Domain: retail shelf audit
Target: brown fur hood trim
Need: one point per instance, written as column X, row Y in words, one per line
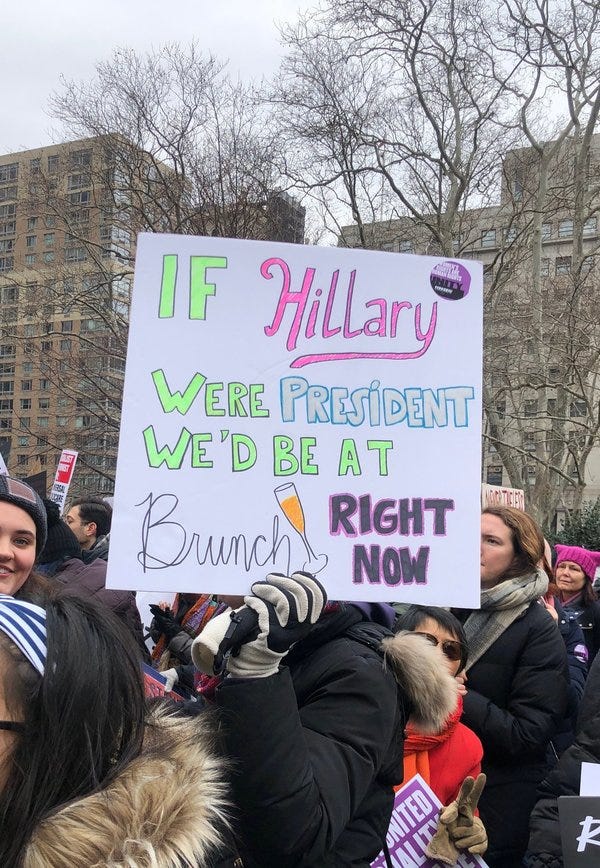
column 165, row 810
column 420, row 670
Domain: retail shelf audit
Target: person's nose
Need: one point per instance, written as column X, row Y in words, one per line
column 5, row 548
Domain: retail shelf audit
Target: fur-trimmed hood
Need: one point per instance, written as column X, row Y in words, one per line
column 420, row 670
column 165, row 810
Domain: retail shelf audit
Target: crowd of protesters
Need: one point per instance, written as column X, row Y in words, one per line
column 300, row 717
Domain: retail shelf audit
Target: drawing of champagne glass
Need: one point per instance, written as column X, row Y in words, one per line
column 291, row 506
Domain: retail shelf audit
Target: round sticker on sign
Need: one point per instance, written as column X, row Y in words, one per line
column 450, row 280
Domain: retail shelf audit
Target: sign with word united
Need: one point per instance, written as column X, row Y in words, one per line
column 579, row 818
column 291, row 407
column 412, row 826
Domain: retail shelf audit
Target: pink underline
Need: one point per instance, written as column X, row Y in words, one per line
column 301, row 361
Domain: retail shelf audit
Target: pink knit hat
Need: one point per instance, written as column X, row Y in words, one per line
column 587, row 560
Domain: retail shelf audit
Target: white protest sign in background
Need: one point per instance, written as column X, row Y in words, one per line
column 292, row 407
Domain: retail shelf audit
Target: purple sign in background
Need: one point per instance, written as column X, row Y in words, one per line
column 412, row 826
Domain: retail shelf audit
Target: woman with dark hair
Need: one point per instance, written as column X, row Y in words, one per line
column 445, row 758
column 517, row 678
column 574, row 575
column 87, row 777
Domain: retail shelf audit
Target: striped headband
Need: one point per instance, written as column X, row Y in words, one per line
column 25, row 624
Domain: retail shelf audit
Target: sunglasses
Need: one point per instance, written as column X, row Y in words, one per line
column 451, row 648
column 12, row 725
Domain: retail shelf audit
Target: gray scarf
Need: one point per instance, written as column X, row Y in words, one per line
column 500, row 606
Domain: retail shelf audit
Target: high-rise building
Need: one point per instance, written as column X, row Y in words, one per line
column 69, row 217
column 65, row 264
column 539, row 247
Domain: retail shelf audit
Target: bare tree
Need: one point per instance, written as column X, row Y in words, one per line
column 164, row 142
column 467, row 129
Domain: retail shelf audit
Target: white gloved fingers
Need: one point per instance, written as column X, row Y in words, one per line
column 277, row 596
column 317, row 596
column 171, row 677
column 206, row 644
column 258, row 605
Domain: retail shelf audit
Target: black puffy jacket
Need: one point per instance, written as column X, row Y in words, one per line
column 317, row 747
column 516, row 697
column 544, row 850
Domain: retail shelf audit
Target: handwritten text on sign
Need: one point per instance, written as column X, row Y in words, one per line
column 289, row 407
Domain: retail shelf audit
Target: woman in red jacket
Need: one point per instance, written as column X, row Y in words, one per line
column 445, row 759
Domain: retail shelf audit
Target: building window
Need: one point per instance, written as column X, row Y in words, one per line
column 546, row 231
column 7, row 263
column 7, row 193
column 488, row 238
column 25, row 404
column 81, row 158
column 49, row 256
column 544, row 266
column 26, row 385
column 25, row 422
column 565, row 229
column 404, row 246
column 7, row 350
column 53, row 164
column 42, row 421
column 24, row 441
column 43, row 403
column 8, row 228
column 84, row 197
column 577, row 409
column 494, row 474
column 66, row 325
column 30, row 259
column 35, row 165
column 7, row 387
column 75, row 254
column 48, row 239
column 562, row 265
column 529, row 441
column 83, row 421
column 44, row 385
column 510, row 234
column 9, row 172
column 22, row 460
column 46, row 346
column 530, row 408
column 61, row 421
column 590, row 227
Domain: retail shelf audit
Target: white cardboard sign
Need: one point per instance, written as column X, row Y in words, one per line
column 292, row 407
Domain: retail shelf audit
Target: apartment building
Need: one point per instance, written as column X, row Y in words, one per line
column 69, row 217
column 541, row 328
column 65, row 277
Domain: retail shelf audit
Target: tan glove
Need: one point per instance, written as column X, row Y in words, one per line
column 458, row 829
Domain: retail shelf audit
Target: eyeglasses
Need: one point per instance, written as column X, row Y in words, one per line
column 12, row 725
column 451, row 649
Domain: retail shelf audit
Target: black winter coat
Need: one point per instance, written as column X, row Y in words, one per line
column 589, row 621
column 516, row 697
column 89, row 581
column 317, row 748
column 544, row 850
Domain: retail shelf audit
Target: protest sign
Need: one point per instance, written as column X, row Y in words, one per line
column 579, row 818
column 499, row 495
column 412, row 826
column 290, row 407
column 63, row 477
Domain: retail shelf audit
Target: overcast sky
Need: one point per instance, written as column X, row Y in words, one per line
column 44, row 39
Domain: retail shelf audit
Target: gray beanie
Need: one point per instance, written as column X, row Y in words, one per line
column 22, row 495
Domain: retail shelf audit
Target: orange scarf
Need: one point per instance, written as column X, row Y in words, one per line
column 417, row 746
